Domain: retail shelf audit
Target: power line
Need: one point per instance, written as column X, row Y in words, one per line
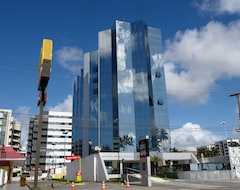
column 143, row 127
column 32, row 70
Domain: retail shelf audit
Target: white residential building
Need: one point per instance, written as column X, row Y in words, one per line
column 222, row 146
column 10, row 130
column 56, row 140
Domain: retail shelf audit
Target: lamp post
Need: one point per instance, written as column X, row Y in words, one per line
column 238, row 99
column 65, row 133
column 225, row 129
column 53, row 161
column 90, row 147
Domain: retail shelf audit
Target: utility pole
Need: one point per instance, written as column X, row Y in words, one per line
column 238, row 98
column 44, row 71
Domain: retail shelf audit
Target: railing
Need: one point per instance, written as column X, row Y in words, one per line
column 131, row 170
column 132, row 174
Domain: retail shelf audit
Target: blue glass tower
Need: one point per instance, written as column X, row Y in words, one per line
column 123, row 92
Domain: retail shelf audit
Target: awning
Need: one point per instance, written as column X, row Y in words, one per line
column 7, row 153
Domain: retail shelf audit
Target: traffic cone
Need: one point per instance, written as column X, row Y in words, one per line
column 127, row 184
column 103, row 185
column 72, row 186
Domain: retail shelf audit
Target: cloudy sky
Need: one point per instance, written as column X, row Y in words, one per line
column 200, row 49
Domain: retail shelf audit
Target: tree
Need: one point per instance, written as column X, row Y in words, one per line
column 174, row 149
column 200, row 152
column 214, row 152
column 125, row 141
column 164, row 170
column 234, row 144
column 158, row 138
column 207, row 152
column 161, row 136
column 155, row 159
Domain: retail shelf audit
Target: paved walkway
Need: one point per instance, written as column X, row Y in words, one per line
column 14, row 186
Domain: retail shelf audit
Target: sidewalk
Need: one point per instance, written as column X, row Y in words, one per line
column 56, row 185
column 14, row 186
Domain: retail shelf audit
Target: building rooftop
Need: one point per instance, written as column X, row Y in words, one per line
column 8, row 154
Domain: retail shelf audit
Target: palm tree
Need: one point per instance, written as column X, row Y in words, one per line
column 155, row 159
column 162, row 135
column 126, row 141
column 158, row 138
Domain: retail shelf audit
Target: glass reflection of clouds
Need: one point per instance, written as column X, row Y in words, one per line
column 126, row 81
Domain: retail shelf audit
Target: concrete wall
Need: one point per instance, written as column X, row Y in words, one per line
column 72, row 168
column 89, row 165
column 92, row 166
column 205, row 175
column 3, row 177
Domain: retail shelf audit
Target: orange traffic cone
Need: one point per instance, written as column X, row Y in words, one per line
column 72, row 186
column 103, row 185
column 127, row 184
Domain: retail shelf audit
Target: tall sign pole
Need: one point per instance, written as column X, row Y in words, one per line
column 44, row 71
column 145, row 165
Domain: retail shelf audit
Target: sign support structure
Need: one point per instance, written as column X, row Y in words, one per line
column 79, row 172
column 43, row 78
column 145, row 164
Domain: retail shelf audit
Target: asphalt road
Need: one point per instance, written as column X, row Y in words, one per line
column 161, row 185
column 198, row 185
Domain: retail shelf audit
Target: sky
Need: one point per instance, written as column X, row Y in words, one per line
column 201, row 43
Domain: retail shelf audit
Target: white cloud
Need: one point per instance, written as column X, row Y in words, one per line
column 196, row 59
column 70, row 58
column 23, row 115
column 65, row 106
column 219, row 7
column 125, row 81
column 190, row 136
column 140, row 87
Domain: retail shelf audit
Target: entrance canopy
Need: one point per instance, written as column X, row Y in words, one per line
column 7, row 153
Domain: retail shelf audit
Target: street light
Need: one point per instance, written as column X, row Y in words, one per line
column 53, row 161
column 224, row 125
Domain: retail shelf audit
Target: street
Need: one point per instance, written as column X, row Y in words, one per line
column 162, row 185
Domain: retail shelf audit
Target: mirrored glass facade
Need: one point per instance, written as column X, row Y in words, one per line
column 123, row 92
column 77, row 118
